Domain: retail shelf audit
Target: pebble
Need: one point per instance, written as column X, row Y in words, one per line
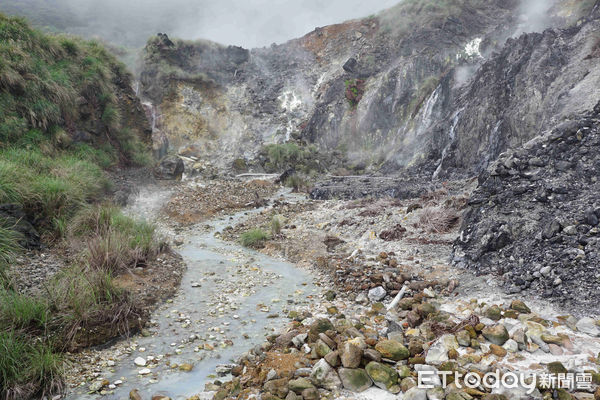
column 140, row 362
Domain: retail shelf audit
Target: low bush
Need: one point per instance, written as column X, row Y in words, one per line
column 21, row 312
column 9, row 247
column 297, row 183
column 114, row 240
column 83, row 298
column 280, row 157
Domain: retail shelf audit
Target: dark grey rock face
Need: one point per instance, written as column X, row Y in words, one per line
column 450, row 92
column 169, row 168
column 531, row 84
column 348, row 188
column 533, row 220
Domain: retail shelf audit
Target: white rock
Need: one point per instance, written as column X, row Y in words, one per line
column 144, row 371
column 511, row 346
column 588, row 326
column 272, row 374
column 140, row 362
column 436, row 354
column 377, row 294
column 299, row 340
column 361, row 299
column 431, row 378
column 415, row 394
column 323, row 375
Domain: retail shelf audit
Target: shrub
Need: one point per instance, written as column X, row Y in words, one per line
column 355, row 89
column 82, row 299
column 296, row 183
column 438, row 219
column 254, row 238
column 9, row 247
column 101, row 219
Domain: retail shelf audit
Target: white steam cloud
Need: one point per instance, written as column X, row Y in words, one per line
column 534, row 16
column 247, row 23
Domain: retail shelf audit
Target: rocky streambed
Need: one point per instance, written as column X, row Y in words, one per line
column 230, row 298
column 246, row 324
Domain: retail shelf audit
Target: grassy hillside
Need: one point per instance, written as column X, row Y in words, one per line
column 67, row 115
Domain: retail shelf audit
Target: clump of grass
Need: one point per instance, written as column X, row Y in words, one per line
column 290, row 155
column 275, row 225
column 114, row 241
column 9, row 247
column 22, row 312
column 51, row 188
column 28, row 368
column 254, row 238
column 83, row 299
column 438, row 219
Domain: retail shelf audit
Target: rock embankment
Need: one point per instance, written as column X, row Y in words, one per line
column 379, row 353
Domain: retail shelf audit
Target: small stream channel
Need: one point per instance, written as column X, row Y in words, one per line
column 230, row 298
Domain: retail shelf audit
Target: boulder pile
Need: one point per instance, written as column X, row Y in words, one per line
column 404, row 351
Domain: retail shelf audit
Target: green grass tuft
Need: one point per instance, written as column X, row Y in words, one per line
column 254, row 238
column 28, row 368
column 22, row 312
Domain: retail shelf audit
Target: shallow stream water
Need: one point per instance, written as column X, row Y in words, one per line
column 230, row 298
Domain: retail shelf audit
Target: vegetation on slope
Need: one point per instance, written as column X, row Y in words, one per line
column 65, row 117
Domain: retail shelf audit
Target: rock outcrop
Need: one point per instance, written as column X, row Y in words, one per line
column 533, row 219
column 427, row 86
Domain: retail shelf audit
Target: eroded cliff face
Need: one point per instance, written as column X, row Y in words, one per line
column 531, row 84
column 431, row 87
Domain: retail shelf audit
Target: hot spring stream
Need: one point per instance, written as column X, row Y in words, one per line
column 230, row 298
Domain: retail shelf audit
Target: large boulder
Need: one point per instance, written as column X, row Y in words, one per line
column 169, row 168
column 323, row 375
column 383, row 376
column 392, row 349
column 355, row 380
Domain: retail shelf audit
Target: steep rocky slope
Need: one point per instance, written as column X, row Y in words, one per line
column 533, row 82
column 533, row 220
column 417, row 85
